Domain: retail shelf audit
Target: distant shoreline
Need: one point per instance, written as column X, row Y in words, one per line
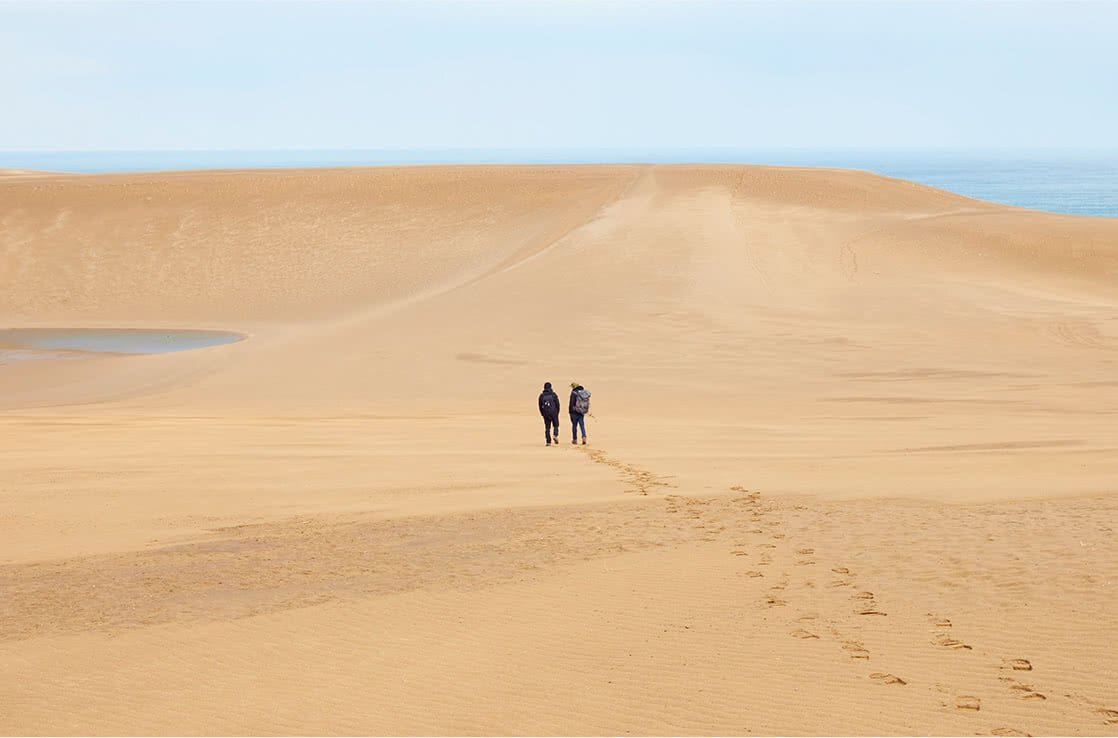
column 161, row 159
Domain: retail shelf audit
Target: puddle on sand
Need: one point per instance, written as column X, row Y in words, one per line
column 28, row 344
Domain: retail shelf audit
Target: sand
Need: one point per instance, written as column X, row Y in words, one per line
column 5, row 173
column 851, row 467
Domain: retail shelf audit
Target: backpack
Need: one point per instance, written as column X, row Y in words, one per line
column 582, row 401
column 548, row 405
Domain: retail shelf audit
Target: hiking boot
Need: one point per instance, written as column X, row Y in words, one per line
column 583, row 441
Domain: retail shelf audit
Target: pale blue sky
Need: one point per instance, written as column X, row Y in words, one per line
column 574, row 74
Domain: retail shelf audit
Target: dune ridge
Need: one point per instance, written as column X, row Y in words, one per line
column 852, row 448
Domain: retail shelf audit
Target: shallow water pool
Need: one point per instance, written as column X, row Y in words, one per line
column 24, row 344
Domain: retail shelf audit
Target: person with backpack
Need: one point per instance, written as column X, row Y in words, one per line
column 549, row 410
column 579, row 408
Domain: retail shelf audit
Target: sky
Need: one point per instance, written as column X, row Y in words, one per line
column 570, row 74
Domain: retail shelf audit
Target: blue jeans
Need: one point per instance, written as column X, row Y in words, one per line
column 547, row 423
column 578, row 420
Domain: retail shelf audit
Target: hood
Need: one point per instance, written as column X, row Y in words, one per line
column 547, row 386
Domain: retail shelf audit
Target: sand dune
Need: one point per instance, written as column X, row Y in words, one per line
column 851, row 467
column 25, row 173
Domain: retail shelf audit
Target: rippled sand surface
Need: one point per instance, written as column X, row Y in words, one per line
column 851, row 465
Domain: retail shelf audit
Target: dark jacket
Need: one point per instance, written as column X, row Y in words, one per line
column 554, row 411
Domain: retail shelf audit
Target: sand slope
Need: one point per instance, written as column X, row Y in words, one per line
column 853, row 448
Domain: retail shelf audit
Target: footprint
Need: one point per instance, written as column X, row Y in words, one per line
column 768, row 545
column 840, row 570
column 775, row 602
column 952, row 643
column 805, row 562
column 1009, row 731
column 754, row 573
column 740, row 553
column 884, row 678
column 1111, row 716
column 966, row 702
column 805, row 551
column 778, row 535
column 1020, row 688
column 1019, row 665
column 863, row 595
column 808, row 617
column 803, row 634
column 841, row 583
column 871, row 610
column 856, row 649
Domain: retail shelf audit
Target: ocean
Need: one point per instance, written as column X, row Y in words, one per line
column 1077, row 183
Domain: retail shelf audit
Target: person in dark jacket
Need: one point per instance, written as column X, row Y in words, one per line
column 580, row 400
column 549, row 411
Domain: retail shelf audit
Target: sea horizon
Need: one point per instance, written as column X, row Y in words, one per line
column 1070, row 181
